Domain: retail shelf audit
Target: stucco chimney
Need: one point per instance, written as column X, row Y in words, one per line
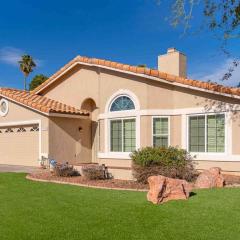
column 174, row 62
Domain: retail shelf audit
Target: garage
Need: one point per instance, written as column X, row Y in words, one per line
column 34, row 126
column 19, row 145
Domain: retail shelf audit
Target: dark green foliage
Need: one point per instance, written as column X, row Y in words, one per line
column 170, row 162
column 142, row 65
column 37, row 80
column 65, row 170
column 26, row 64
column 219, row 17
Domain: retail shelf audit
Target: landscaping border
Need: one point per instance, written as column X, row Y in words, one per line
column 29, row 177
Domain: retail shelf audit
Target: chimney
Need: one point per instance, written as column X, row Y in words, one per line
column 174, row 62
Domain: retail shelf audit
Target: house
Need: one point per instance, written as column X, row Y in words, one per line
column 98, row 111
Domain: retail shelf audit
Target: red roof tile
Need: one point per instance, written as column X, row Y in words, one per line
column 146, row 72
column 40, row 103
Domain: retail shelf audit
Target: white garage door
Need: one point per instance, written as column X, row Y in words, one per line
column 19, row 145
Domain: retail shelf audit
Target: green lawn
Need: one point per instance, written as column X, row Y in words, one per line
column 32, row 210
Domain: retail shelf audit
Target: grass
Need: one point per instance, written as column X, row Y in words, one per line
column 33, row 210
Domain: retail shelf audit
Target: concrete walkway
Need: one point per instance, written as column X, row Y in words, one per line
column 16, row 168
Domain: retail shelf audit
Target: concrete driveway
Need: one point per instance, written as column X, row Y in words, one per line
column 16, row 168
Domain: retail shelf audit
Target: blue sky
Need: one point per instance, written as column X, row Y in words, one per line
column 128, row 31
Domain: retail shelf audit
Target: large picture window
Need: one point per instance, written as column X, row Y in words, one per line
column 207, row 133
column 160, row 132
column 123, row 135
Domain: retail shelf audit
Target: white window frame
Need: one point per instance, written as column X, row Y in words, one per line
column 109, row 134
column 119, row 93
column 118, row 96
column 107, row 116
column 226, row 134
column 169, row 133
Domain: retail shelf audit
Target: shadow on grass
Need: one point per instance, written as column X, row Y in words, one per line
column 192, row 194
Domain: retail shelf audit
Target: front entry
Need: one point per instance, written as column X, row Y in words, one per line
column 90, row 105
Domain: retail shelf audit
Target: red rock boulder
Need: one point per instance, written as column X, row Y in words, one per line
column 163, row 189
column 211, row 178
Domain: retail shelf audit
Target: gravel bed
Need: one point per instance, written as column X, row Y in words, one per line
column 230, row 181
column 109, row 183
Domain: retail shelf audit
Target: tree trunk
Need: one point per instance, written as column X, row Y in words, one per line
column 25, row 83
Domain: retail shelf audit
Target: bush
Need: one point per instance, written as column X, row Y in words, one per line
column 94, row 172
column 171, row 162
column 65, row 170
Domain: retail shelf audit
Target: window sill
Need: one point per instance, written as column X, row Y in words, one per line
column 115, row 155
column 216, row 157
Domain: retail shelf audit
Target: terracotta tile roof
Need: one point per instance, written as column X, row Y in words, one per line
column 146, row 72
column 40, row 103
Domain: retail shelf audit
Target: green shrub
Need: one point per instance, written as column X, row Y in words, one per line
column 171, row 162
column 94, row 172
column 65, row 170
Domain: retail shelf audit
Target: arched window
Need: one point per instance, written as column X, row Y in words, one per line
column 122, row 103
column 122, row 124
column 122, row 130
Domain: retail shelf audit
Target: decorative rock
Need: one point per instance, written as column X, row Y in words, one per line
column 164, row 189
column 211, row 178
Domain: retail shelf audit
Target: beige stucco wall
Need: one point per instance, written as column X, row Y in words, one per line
column 83, row 82
column 100, row 84
column 18, row 113
column 175, row 131
column 226, row 166
column 101, row 134
column 121, row 163
column 87, row 82
column 70, row 140
column 188, row 98
column 62, row 140
column 60, row 136
column 146, row 131
column 236, row 134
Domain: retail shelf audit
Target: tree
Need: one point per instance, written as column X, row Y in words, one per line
column 142, row 65
column 36, row 81
column 221, row 17
column 26, row 65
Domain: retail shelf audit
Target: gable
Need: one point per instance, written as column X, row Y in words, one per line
column 147, row 73
column 100, row 84
column 84, row 82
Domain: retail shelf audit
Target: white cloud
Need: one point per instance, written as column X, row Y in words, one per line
column 217, row 74
column 39, row 62
column 11, row 55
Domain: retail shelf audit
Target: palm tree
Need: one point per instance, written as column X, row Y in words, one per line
column 26, row 66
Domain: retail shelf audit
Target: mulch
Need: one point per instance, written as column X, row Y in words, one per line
column 230, row 181
column 108, row 183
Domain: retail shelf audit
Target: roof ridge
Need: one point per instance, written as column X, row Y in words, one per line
column 143, row 71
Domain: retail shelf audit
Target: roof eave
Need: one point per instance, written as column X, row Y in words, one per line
column 68, row 115
column 135, row 74
column 48, row 114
